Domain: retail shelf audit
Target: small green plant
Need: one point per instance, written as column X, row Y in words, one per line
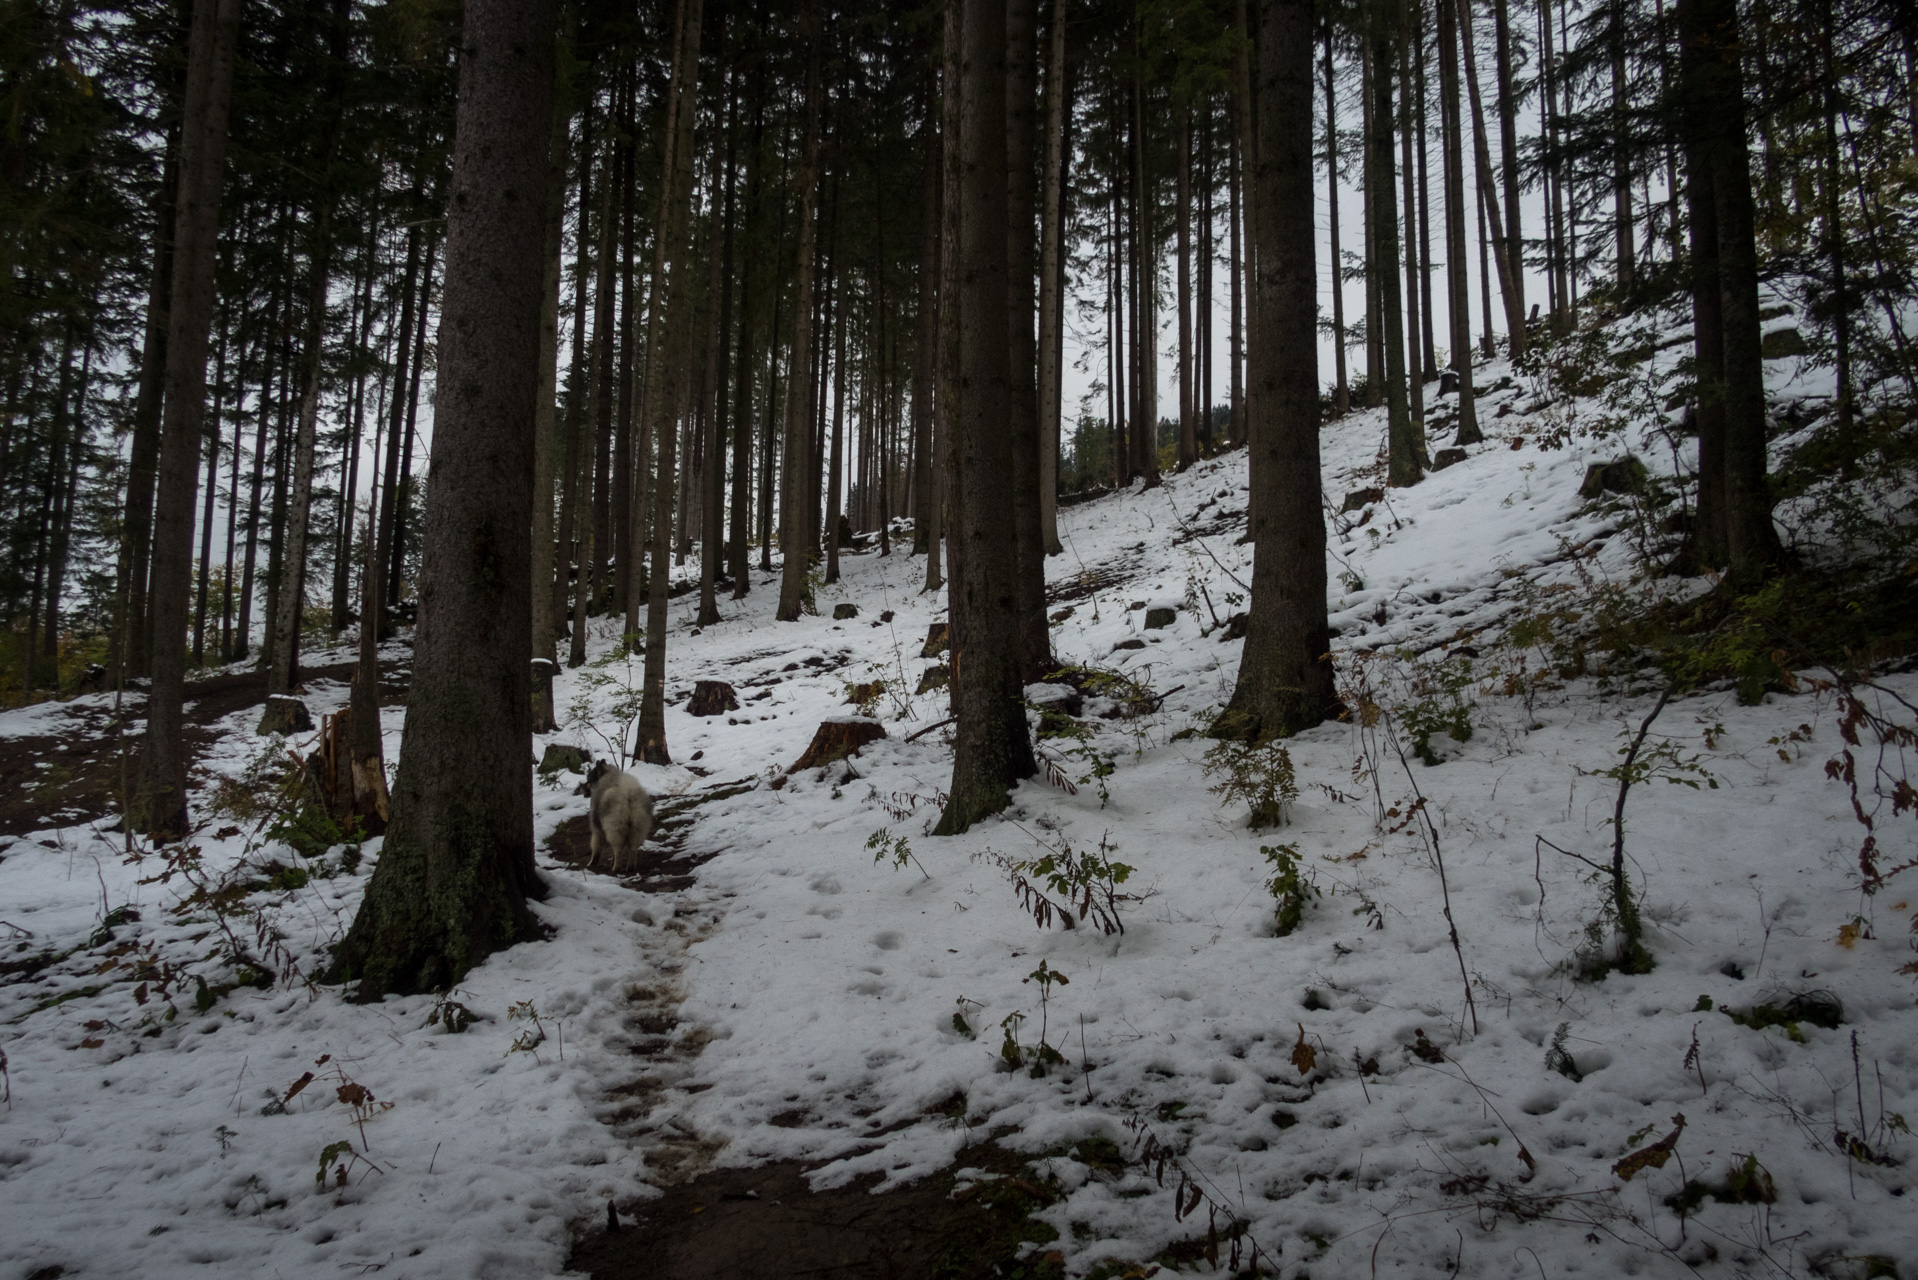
column 1558, row 1058
column 529, row 1039
column 1076, row 742
column 1085, row 884
column 1440, row 704
column 1288, row 886
column 894, row 849
column 963, row 1015
column 1038, row 1059
column 339, row 1159
column 1260, row 774
column 865, row 694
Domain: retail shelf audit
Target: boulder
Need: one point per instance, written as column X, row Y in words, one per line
column 938, row 637
column 285, row 714
column 1447, row 457
column 559, row 756
column 838, row 738
column 844, row 610
column 712, row 698
column 1159, row 616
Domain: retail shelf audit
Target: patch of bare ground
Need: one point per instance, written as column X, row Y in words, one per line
column 767, row 1222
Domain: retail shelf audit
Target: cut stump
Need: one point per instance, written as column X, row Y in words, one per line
column 838, row 738
column 712, row 698
column 937, row 638
column 285, row 714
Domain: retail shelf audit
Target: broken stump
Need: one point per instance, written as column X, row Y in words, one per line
column 712, row 698
column 938, row 636
column 838, row 738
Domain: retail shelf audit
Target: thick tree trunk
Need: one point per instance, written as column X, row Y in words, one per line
column 713, row 509
column 945, row 405
column 158, row 804
column 1285, row 674
column 1705, row 548
column 993, row 750
column 1514, row 248
column 457, row 866
column 1414, row 385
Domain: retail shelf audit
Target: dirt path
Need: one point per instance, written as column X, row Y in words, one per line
column 767, row 1222
column 74, row 775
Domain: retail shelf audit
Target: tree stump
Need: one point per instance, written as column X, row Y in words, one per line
column 1621, row 475
column 934, row 677
column 838, row 738
column 543, row 671
column 938, row 636
column 712, row 698
column 841, row 612
column 1159, row 617
column 560, row 756
column 351, row 795
column 1446, row 458
column 285, row 714
column 1358, row 499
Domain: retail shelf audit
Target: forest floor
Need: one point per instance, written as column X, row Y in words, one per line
column 774, row 1053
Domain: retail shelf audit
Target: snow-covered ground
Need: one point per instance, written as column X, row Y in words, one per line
column 801, row 1000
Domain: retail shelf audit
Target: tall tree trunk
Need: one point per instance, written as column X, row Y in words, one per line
column 1621, row 156
column 457, row 866
column 925, row 360
column 1405, row 466
column 1751, row 543
column 206, row 504
column 1052, row 284
column 712, row 512
column 1341, row 392
column 1428, row 363
column 133, row 634
column 1508, row 159
column 546, row 426
column 158, row 804
column 664, row 380
column 1285, row 672
column 1414, row 385
column 992, row 750
column 794, row 594
column 578, row 379
column 1705, row 548
column 945, row 407
column 1188, row 425
column 1022, row 385
column 411, row 297
column 738, row 563
column 1457, row 277
column 1509, row 286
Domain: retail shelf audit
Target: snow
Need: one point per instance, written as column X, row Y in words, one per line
column 798, row 999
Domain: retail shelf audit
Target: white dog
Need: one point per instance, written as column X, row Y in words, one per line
column 622, row 816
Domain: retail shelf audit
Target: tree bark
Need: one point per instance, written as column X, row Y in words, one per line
column 546, row 425
column 993, row 750
column 1341, row 391
column 158, row 804
column 1285, row 673
column 925, row 359
column 457, row 866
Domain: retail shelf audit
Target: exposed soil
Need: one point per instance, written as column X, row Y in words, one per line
column 767, row 1224
column 81, row 780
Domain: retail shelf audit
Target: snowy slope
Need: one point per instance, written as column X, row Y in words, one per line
column 799, row 1000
